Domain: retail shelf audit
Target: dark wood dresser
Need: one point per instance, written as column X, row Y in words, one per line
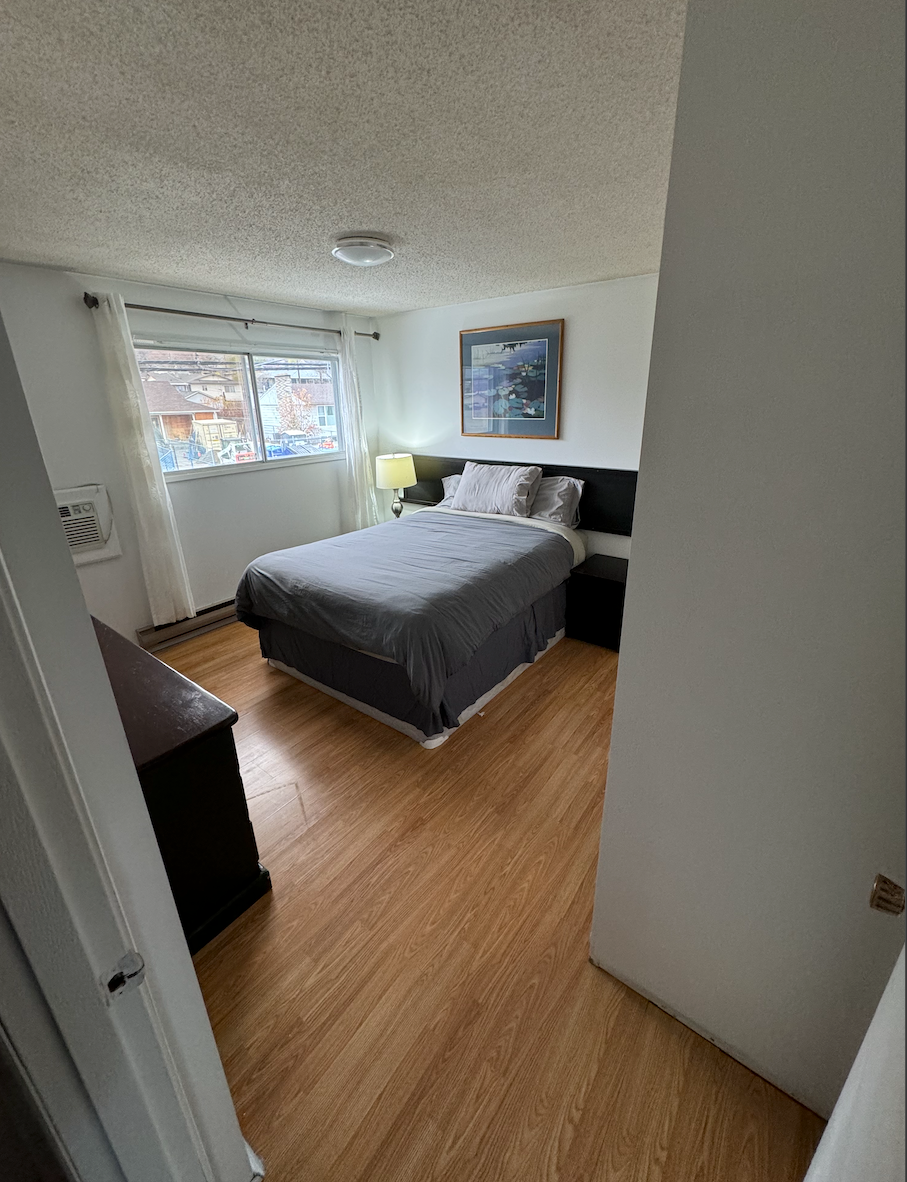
column 182, row 744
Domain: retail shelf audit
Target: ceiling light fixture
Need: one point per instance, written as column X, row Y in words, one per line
column 363, row 250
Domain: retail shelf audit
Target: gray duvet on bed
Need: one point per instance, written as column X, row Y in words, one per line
column 425, row 591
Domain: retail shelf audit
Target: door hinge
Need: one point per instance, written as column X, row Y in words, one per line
column 128, row 973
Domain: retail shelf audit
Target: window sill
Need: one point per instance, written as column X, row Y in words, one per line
column 253, row 466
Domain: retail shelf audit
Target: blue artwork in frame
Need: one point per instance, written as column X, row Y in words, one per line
column 510, row 379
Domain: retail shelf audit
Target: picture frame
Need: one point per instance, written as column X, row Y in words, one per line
column 510, row 380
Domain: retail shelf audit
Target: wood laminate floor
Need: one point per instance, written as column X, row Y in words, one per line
column 414, row 1001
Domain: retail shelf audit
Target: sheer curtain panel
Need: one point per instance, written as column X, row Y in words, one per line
column 163, row 564
column 360, row 507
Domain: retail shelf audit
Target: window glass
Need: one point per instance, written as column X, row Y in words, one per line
column 296, row 397
column 211, row 409
column 201, row 406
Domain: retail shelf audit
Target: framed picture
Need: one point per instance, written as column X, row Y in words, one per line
column 510, row 380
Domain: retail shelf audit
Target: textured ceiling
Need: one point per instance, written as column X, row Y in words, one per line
column 219, row 145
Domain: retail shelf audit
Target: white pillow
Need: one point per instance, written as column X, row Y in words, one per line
column 497, row 488
column 557, row 500
column 450, row 487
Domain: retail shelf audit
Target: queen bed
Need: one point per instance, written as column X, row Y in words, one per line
column 419, row 622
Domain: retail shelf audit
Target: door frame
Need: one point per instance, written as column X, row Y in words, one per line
column 81, row 878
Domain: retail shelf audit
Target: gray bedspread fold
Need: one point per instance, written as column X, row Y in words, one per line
column 425, row 591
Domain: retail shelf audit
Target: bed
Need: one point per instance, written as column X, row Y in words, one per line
column 417, row 622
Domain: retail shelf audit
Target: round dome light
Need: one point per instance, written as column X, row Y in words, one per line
column 363, row 251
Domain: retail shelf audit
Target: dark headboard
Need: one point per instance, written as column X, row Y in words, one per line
column 606, row 505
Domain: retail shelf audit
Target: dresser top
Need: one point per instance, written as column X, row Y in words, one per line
column 161, row 710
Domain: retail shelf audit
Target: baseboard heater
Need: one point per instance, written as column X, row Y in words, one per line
column 204, row 621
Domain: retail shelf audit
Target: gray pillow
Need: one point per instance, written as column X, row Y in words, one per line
column 557, row 499
column 450, row 487
column 497, row 488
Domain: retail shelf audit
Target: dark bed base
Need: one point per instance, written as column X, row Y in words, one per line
column 384, row 685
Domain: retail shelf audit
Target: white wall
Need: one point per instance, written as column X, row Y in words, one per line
column 411, row 402
column 224, row 520
column 607, row 338
column 55, row 347
column 757, row 768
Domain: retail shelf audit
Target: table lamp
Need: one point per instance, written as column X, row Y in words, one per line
column 396, row 471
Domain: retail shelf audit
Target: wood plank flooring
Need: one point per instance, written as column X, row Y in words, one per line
column 414, row 1002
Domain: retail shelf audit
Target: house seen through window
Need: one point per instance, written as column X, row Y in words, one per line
column 209, row 409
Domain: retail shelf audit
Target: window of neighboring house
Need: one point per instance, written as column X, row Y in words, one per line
column 211, row 409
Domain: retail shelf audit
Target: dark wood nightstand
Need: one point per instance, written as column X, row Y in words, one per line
column 595, row 600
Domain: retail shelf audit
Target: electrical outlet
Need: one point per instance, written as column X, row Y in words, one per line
column 887, row 896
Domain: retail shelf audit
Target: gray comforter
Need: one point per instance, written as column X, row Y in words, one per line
column 425, row 591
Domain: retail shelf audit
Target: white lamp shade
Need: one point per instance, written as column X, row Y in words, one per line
column 395, row 471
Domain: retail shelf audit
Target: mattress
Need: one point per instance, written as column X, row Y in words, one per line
column 417, row 618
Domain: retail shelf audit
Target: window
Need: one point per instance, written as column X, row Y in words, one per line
column 296, row 396
column 211, row 409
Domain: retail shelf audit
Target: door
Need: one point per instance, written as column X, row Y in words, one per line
column 81, row 880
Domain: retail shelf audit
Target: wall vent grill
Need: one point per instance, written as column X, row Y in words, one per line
column 83, row 531
column 86, row 519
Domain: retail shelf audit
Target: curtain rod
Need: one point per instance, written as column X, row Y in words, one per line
column 92, row 302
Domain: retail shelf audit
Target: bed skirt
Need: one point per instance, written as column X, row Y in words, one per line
column 381, row 688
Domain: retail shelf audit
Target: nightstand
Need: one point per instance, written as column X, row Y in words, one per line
column 595, row 600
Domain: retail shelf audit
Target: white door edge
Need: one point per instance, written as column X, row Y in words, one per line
column 81, row 878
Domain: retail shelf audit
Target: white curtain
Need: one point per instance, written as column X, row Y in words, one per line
column 163, row 563
column 360, row 507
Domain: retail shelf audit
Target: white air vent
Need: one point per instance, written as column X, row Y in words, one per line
column 87, row 522
column 80, row 524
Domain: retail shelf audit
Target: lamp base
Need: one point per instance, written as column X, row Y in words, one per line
column 397, row 505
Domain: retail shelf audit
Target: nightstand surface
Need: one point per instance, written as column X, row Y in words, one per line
column 604, row 566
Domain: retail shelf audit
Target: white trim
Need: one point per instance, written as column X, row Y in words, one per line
column 256, row 1165
column 251, row 466
column 231, row 348
column 405, row 728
